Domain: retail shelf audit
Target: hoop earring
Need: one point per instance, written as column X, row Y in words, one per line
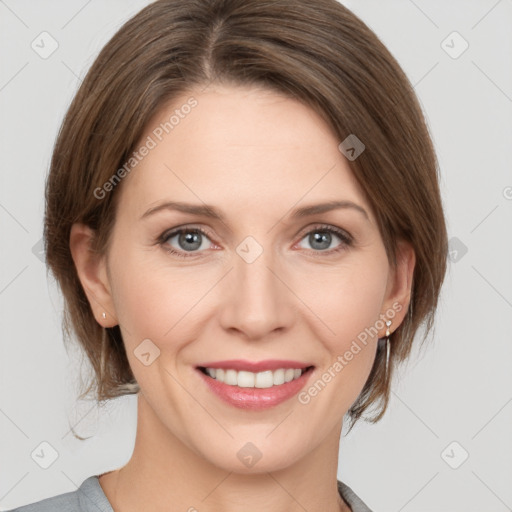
column 388, row 349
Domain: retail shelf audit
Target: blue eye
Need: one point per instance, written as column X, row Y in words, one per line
column 321, row 238
column 192, row 241
column 189, row 240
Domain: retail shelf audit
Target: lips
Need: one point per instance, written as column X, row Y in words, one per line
column 255, row 385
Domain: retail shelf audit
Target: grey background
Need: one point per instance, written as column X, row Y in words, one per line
column 459, row 390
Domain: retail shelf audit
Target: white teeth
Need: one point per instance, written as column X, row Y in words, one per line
column 245, row 379
column 264, row 380
column 278, row 377
column 230, row 377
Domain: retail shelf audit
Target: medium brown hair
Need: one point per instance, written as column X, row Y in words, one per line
column 317, row 52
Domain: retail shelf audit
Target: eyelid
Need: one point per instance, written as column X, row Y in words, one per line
column 342, row 233
column 184, row 227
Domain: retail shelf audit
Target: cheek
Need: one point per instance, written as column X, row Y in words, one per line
column 346, row 299
column 155, row 300
column 347, row 302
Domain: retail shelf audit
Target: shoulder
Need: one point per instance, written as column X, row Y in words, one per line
column 89, row 497
column 68, row 501
column 354, row 501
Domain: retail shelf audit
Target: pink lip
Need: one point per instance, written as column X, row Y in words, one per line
column 256, row 398
column 255, row 366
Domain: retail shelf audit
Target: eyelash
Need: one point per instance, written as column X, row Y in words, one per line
column 346, row 240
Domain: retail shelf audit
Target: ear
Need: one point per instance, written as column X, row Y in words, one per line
column 92, row 272
column 399, row 287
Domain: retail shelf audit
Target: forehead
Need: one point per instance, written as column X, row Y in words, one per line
column 239, row 145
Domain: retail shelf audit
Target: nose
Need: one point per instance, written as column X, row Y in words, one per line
column 257, row 301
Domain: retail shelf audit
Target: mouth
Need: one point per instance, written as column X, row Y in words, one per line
column 271, row 384
column 248, row 379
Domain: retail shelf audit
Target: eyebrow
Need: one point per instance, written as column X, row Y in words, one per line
column 209, row 211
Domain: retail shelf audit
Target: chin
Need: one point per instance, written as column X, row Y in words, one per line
column 253, row 453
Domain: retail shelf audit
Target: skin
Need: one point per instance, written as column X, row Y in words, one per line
column 256, row 156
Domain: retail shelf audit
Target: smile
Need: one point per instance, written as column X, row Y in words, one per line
column 246, row 379
column 255, row 386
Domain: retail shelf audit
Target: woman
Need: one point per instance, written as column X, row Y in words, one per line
column 243, row 214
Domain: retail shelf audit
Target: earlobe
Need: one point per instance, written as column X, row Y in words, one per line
column 92, row 272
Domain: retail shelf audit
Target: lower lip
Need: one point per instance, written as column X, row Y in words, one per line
column 256, row 398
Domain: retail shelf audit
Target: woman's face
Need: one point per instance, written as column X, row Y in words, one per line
column 263, row 280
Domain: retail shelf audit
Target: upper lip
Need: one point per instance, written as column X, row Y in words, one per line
column 255, row 366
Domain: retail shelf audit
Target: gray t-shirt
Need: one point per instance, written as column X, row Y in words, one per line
column 89, row 497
